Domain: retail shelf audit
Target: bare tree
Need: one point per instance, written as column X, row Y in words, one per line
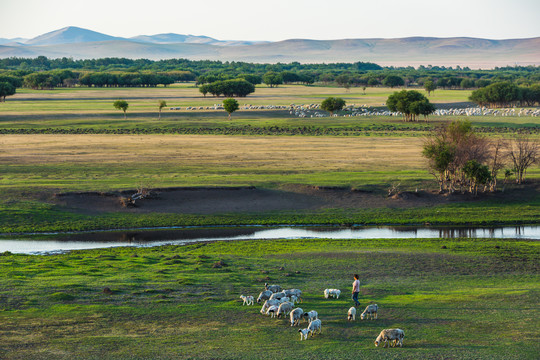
column 523, row 152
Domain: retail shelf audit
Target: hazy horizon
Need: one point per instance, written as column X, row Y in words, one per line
column 279, row 20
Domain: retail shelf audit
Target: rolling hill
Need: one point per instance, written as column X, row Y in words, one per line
column 473, row 52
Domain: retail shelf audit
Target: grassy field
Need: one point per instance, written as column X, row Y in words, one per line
column 361, row 153
column 469, row 299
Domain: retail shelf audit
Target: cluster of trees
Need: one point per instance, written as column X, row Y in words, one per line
column 462, row 160
column 410, row 103
column 343, row 74
column 502, row 94
column 229, row 88
column 103, row 79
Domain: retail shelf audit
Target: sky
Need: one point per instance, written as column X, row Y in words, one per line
column 276, row 19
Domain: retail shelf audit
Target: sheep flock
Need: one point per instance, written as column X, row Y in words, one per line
column 278, row 302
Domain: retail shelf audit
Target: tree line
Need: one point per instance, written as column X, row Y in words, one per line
column 504, row 94
column 341, row 74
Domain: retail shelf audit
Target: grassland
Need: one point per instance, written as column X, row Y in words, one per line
column 468, row 299
column 103, row 152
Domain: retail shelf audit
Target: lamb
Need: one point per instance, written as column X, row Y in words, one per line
column 303, row 333
column 269, row 303
column 370, row 311
column 351, row 315
column 284, row 309
column 272, row 310
column 248, row 300
column 277, row 295
column 314, row 326
column 332, row 293
column 272, row 288
column 311, row 315
column 264, row 295
column 394, row 335
column 295, row 316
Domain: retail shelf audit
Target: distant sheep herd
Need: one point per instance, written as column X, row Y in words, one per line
column 354, row 110
column 280, row 303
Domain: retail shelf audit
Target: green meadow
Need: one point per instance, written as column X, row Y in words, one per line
column 453, row 298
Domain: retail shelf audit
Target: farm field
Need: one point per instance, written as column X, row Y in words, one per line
column 454, row 299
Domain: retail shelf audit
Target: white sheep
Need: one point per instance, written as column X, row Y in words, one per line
column 311, row 315
column 272, row 288
column 293, row 299
column 248, row 300
column 303, row 333
column 264, row 295
column 314, row 326
column 272, row 310
column 294, row 292
column 277, row 295
column 395, row 336
column 351, row 314
column 295, row 316
column 284, row 309
column 370, row 311
column 332, row 293
column 269, row 303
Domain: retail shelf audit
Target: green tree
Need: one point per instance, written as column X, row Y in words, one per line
column 476, row 174
column 121, row 105
column 6, row 89
column 332, row 104
column 230, row 105
column 393, row 81
column 344, row 81
column 161, row 105
column 410, row 103
column 429, row 86
column 272, row 79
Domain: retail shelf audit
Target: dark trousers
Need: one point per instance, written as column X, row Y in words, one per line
column 355, row 298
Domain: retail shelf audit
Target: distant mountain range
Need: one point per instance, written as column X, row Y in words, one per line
column 81, row 43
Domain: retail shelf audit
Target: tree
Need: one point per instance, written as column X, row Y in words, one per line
column 230, row 105
column 410, row 104
column 6, row 89
column 523, row 153
column 121, row 105
column 161, row 104
column 344, row 80
column 429, row 86
column 272, row 79
column 477, row 174
column 332, row 104
column 393, row 81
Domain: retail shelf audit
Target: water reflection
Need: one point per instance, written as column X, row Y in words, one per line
column 77, row 241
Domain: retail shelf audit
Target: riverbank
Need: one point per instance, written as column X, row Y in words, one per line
column 454, row 298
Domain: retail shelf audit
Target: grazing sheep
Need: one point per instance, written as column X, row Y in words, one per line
column 277, row 295
column 269, row 303
column 264, row 295
column 285, row 299
column 293, row 299
column 296, row 315
column 394, row 335
column 303, row 333
column 332, row 293
column 272, row 288
column 311, row 315
column 314, row 326
column 351, row 315
column 370, row 311
column 272, row 310
column 294, row 292
column 284, row 309
column 248, row 300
